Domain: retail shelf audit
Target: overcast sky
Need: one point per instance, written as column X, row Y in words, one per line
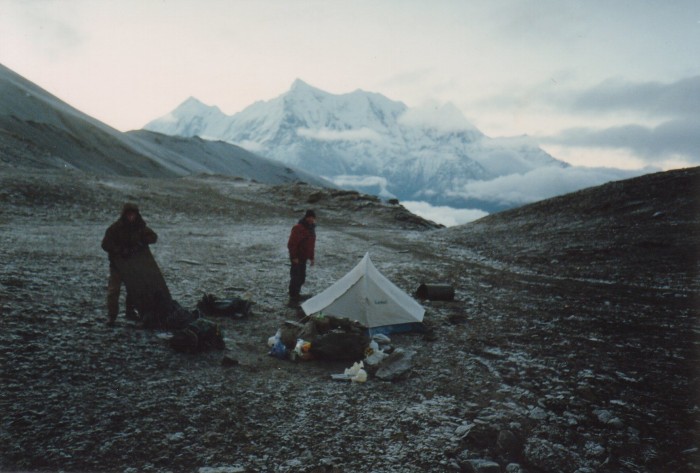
column 596, row 82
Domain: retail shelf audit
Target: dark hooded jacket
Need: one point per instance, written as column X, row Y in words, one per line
column 124, row 238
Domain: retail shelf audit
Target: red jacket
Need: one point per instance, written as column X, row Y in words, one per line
column 302, row 242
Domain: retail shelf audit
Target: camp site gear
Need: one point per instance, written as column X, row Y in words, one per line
column 198, row 336
column 233, row 307
column 435, row 292
column 365, row 295
column 331, row 338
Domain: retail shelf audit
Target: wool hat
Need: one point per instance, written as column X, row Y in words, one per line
column 129, row 207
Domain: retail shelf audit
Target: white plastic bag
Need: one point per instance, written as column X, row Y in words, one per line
column 375, row 358
column 273, row 339
column 355, row 373
column 355, row 368
column 360, row 377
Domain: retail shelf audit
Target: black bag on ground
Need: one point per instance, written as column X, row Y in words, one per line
column 154, row 315
column 178, row 317
column 198, row 336
column 233, row 307
column 167, row 314
column 339, row 345
column 338, row 339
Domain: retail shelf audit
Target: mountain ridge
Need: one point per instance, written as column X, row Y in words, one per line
column 39, row 130
column 427, row 154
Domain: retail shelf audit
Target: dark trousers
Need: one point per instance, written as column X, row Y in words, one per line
column 113, row 288
column 297, row 276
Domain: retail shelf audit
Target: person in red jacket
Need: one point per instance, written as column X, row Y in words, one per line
column 301, row 245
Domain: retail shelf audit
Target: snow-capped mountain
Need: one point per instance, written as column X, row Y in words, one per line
column 366, row 141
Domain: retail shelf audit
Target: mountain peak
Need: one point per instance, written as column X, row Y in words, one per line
column 299, row 86
column 377, row 141
column 192, row 104
column 180, row 118
column 192, row 100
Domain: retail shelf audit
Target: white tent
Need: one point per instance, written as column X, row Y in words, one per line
column 365, row 295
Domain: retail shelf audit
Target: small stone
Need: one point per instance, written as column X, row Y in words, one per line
column 508, row 443
column 176, row 436
column 603, row 415
column 228, row 361
column 548, row 456
column 463, row 430
column 594, row 450
column 606, row 417
column 617, row 423
column 481, row 466
column 537, row 413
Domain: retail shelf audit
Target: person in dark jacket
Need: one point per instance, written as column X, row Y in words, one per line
column 123, row 238
column 301, row 246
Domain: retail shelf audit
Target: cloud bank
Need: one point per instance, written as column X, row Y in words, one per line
column 656, row 99
column 673, row 107
column 445, row 118
column 447, row 216
column 371, row 184
column 671, row 139
column 539, row 184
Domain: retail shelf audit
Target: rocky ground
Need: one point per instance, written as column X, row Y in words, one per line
column 572, row 345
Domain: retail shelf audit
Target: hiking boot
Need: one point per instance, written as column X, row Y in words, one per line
column 293, row 301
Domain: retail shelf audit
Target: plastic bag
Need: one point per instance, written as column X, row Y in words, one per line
column 356, row 373
column 274, row 339
column 375, row 357
column 381, row 339
column 360, row 377
column 301, row 350
column 278, row 350
column 354, row 369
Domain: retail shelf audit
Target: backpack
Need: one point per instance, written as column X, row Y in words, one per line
column 338, row 339
column 198, row 336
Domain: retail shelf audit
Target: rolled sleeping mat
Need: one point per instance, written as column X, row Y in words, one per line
column 435, row 292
